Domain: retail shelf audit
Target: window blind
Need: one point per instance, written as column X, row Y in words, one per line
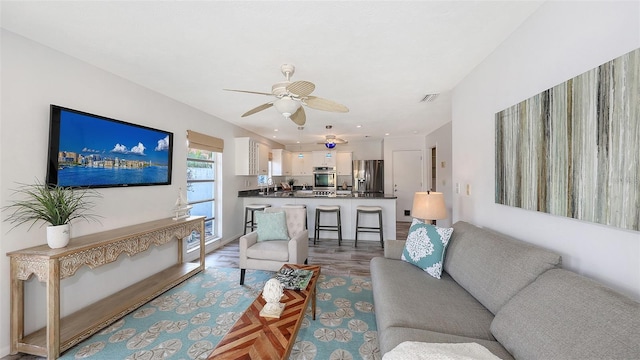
column 204, row 142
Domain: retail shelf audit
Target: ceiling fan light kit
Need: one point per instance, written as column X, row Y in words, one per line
column 330, row 141
column 286, row 106
column 290, row 96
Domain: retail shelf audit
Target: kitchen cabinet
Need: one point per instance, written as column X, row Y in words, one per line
column 324, row 158
column 281, row 163
column 343, row 163
column 252, row 157
column 263, row 159
column 302, row 163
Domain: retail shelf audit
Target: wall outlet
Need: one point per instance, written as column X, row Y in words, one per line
column 468, row 189
column 407, row 213
column 457, row 188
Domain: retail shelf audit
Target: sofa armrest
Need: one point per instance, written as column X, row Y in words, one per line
column 246, row 241
column 299, row 248
column 393, row 249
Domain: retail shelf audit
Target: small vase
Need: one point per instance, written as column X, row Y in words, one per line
column 58, row 236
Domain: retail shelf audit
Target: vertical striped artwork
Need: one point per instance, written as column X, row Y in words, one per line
column 574, row 150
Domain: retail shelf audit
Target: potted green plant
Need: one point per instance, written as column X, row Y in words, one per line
column 53, row 205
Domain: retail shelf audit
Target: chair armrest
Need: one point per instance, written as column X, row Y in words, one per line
column 393, row 249
column 246, row 241
column 299, row 248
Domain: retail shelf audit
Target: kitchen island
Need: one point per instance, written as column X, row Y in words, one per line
column 348, row 203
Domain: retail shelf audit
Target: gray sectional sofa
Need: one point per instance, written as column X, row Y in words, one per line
column 506, row 295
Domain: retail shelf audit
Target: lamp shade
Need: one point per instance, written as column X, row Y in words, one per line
column 428, row 206
column 286, row 106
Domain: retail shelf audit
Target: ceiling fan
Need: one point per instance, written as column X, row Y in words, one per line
column 331, row 140
column 290, row 96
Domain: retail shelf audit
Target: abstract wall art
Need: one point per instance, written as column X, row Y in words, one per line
column 574, row 150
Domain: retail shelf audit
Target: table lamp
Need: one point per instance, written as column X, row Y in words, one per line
column 428, row 205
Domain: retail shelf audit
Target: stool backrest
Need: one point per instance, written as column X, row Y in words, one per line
column 295, row 219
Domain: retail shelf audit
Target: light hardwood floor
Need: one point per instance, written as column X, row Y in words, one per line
column 334, row 259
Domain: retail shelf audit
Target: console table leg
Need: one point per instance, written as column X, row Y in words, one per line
column 17, row 308
column 53, row 310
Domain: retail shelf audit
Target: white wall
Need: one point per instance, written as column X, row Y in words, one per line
column 34, row 76
column 559, row 41
column 441, row 140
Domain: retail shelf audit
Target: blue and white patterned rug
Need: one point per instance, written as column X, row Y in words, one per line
column 188, row 321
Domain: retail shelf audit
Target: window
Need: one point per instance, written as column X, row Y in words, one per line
column 202, row 192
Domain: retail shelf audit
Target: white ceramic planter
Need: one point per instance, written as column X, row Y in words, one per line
column 58, row 236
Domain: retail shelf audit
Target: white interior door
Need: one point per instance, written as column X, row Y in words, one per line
column 407, row 179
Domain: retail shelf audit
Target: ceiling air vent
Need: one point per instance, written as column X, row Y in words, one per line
column 429, row 97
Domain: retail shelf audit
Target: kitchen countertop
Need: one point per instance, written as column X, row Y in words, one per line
column 309, row 194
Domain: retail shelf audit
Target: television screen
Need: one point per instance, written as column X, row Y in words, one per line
column 87, row 150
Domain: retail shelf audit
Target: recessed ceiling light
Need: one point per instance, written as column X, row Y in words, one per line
column 386, row 134
column 274, row 136
column 415, row 131
column 358, row 126
column 275, row 129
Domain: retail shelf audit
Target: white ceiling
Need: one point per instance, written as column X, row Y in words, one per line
column 377, row 58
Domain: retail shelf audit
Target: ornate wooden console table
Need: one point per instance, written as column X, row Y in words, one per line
column 94, row 250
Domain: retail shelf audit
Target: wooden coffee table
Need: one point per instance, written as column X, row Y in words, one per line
column 256, row 337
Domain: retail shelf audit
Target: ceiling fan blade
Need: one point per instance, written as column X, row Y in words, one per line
column 301, row 88
column 333, row 139
column 257, row 109
column 299, row 117
column 317, row 103
column 249, row 92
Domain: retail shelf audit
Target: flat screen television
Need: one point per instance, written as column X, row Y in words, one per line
column 87, row 150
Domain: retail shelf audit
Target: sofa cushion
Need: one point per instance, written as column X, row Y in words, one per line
column 425, row 247
column 394, row 336
column 494, row 267
column 563, row 315
column 404, row 296
column 271, row 226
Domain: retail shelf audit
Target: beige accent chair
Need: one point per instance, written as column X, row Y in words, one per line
column 271, row 255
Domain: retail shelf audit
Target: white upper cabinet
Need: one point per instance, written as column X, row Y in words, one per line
column 252, row 158
column 263, row 159
column 281, row 163
column 343, row 163
column 301, row 163
column 324, row 158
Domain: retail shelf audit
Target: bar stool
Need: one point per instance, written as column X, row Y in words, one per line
column 250, row 223
column 327, row 209
column 371, row 229
column 299, row 206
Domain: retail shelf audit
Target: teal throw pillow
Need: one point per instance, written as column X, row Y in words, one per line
column 271, row 226
column 425, row 247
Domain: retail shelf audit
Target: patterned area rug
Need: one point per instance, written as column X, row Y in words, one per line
column 188, row 321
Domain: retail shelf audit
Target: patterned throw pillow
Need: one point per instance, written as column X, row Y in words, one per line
column 271, row 226
column 425, row 247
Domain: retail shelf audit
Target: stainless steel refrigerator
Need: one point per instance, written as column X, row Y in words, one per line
column 368, row 176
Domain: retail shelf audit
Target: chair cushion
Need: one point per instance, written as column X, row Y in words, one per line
column 425, row 247
column 276, row 250
column 272, row 226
